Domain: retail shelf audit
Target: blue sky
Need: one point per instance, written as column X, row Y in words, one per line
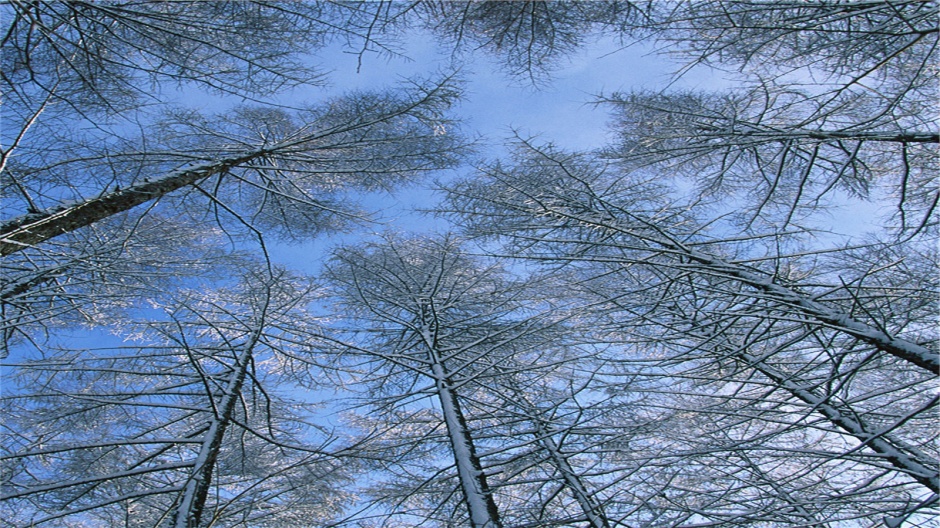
column 494, row 105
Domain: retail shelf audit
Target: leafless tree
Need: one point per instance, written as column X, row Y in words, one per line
column 288, row 166
column 786, row 153
column 775, row 329
column 185, row 423
column 512, row 363
column 529, row 38
column 534, row 409
column 257, row 174
column 833, row 100
column 428, row 325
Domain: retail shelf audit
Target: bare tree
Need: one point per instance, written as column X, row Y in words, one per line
column 255, row 174
column 834, row 102
column 73, row 62
column 279, row 160
column 93, row 161
column 534, row 408
column 529, row 38
column 785, row 152
column 729, row 314
column 430, row 325
column 846, row 43
column 94, row 277
column 138, row 435
column 500, row 343
column 88, row 54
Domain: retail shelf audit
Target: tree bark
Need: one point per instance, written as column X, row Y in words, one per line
column 34, row 228
column 193, row 499
column 479, row 499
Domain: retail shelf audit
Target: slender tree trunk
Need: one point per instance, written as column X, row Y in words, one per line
column 591, row 508
column 764, row 133
column 30, row 229
column 912, row 137
column 479, row 499
column 911, row 352
column 917, row 465
column 482, row 508
column 706, row 264
column 193, row 499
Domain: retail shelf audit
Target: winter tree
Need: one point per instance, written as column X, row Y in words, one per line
column 669, row 330
column 97, row 157
column 188, row 426
column 781, row 331
column 834, row 102
column 429, row 325
column 257, row 174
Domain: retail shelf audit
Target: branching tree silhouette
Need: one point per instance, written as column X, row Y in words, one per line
column 188, row 428
column 723, row 311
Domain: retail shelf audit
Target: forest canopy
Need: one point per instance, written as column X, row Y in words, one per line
column 219, row 310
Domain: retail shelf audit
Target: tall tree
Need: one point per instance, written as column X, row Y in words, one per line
column 728, row 311
column 95, row 277
column 538, row 413
column 833, row 103
column 426, row 312
column 257, row 174
column 88, row 55
column 529, row 38
column 785, row 152
column 139, row 434
column 287, row 166
column 429, row 323
column 97, row 160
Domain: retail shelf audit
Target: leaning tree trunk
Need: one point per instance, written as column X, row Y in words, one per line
column 479, row 499
column 192, row 501
column 917, row 465
column 589, row 506
column 906, row 459
column 689, row 259
column 34, row 228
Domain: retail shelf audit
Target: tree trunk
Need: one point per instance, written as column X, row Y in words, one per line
column 479, row 499
column 704, row 263
column 193, row 499
column 591, row 509
column 917, row 465
column 34, row 228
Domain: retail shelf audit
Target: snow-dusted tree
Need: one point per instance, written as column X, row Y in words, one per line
column 841, row 359
column 267, row 166
column 843, row 43
column 185, row 423
column 835, row 103
column 425, row 311
column 529, row 38
column 541, row 412
column 104, row 67
column 94, row 277
column 787, row 154
column 833, row 99
column 425, row 319
column 260, row 172
column 96, row 156
column 91, row 55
